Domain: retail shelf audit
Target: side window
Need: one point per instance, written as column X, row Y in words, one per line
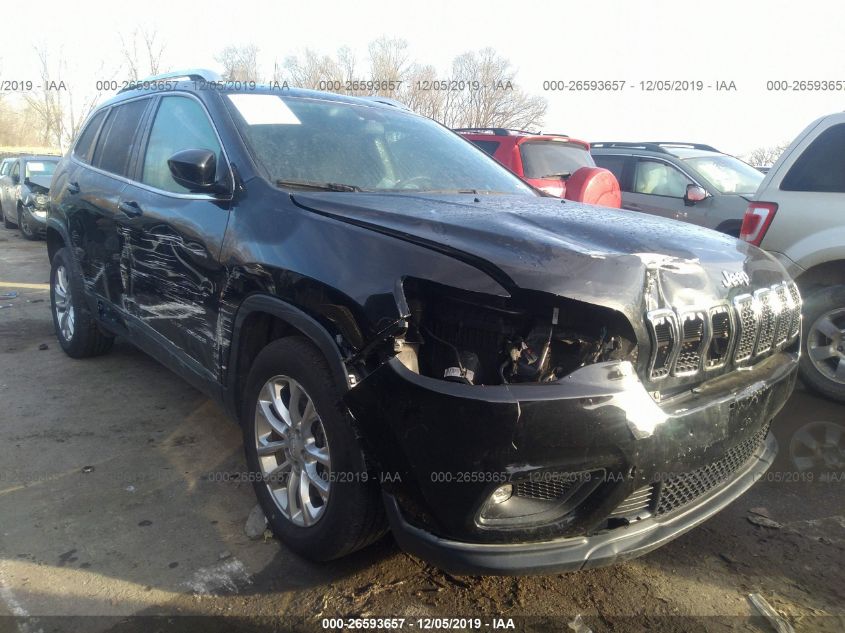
column 821, row 167
column 85, row 141
column 659, row 179
column 489, row 147
column 180, row 123
column 614, row 164
column 4, row 167
column 115, row 143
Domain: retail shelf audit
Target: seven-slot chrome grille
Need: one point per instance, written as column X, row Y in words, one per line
column 686, row 342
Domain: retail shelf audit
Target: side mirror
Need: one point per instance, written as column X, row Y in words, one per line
column 195, row 169
column 694, row 194
column 16, row 180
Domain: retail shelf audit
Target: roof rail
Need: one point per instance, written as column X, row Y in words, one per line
column 653, row 146
column 701, row 146
column 192, row 74
column 387, row 101
column 496, row 131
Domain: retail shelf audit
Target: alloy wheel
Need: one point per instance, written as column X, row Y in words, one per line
column 826, row 345
column 293, row 451
column 24, row 224
column 63, row 304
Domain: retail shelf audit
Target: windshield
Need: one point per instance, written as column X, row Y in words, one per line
column 356, row 147
column 40, row 168
column 553, row 158
column 727, row 174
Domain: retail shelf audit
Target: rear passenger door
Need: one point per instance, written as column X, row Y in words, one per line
column 93, row 192
column 174, row 236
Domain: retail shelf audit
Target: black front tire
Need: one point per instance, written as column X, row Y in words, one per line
column 817, row 304
column 25, row 226
column 354, row 513
column 86, row 338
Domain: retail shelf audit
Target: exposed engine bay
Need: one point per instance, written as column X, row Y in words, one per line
column 482, row 340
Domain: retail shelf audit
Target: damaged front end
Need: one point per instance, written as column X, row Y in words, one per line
column 473, row 339
column 508, row 422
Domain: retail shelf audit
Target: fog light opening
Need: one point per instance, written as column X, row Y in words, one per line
column 502, row 494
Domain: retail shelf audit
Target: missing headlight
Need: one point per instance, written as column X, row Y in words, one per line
column 481, row 340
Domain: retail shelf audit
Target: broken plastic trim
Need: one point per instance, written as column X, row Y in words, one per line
column 476, row 339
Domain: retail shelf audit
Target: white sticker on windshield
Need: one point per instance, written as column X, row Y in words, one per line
column 264, row 110
column 35, row 166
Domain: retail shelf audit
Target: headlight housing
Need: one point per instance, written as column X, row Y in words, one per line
column 42, row 200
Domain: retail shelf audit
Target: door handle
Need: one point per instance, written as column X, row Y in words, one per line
column 129, row 208
column 72, row 188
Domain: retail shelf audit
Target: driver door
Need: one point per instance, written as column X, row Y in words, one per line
column 658, row 188
column 174, row 236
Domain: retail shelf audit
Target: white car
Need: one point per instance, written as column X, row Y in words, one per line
column 798, row 215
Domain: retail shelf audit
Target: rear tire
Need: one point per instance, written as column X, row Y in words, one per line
column 77, row 330
column 292, row 405
column 823, row 342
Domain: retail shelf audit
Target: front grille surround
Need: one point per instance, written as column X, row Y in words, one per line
column 722, row 329
column 767, row 321
column 694, row 330
column 663, row 326
column 692, row 341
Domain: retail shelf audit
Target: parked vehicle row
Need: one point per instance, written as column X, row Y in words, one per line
column 413, row 337
column 690, row 182
column 25, row 193
column 554, row 163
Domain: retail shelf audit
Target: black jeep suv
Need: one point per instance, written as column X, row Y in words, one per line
column 412, row 337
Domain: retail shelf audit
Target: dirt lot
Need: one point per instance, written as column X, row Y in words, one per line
column 119, row 497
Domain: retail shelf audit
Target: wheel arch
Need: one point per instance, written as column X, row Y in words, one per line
column 55, row 241
column 830, row 273
column 730, row 227
column 261, row 319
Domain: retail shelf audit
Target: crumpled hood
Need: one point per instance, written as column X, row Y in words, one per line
column 611, row 257
column 41, row 183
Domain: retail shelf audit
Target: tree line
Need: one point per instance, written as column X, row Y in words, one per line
column 480, row 88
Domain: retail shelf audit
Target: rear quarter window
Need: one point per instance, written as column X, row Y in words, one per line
column 614, row 164
column 821, row 167
column 85, row 142
column 116, row 141
column 488, row 147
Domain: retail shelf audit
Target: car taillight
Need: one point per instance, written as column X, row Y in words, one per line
column 758, row 217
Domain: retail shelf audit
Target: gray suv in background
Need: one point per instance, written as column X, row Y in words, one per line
column 684, row 181
column 798, row 215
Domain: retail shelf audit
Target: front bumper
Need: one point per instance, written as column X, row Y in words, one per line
column 37, row 218
column 442, row 448
column 570, row 554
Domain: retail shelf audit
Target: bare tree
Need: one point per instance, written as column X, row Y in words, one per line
column 59, row 113
column 481, row 90
column 490, row 96
column 240, row 63
column 765, row 156
column 142, row 53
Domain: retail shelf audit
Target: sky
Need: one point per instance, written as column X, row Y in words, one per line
column 747, row 42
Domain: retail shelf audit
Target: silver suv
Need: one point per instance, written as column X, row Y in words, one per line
column 798, row 215
column 690, row 182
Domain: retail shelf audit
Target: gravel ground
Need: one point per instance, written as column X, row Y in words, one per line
column 119, row 497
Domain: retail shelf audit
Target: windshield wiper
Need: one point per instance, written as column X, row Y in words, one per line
column 319, row 186
column 562, row 176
